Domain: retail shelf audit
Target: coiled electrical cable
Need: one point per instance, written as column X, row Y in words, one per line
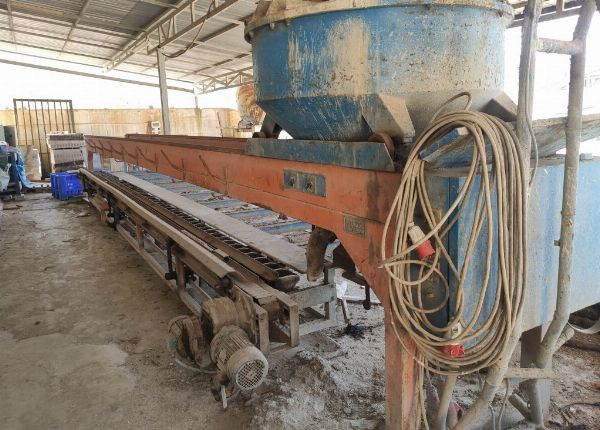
column 496, row 183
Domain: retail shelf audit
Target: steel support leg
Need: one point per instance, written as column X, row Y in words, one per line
column 400, row 372
column 538, row 390
column 400, row 382
column 567, row 226
column 90, row 160
column 529, row 342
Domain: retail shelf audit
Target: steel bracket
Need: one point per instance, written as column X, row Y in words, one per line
column 309, row 183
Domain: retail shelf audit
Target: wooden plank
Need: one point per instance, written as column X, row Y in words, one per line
column 276, row 248
column 312, row 296
column 456, row 149
column 529, row 373
column 550, row 133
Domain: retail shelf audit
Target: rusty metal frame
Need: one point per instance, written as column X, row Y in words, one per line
column 32, row 126
column 355, row 209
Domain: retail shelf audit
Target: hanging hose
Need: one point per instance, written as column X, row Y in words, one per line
column 499, row 194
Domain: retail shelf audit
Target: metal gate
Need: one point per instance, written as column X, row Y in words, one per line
column 35, row 118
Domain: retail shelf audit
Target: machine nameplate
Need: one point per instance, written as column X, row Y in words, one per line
column 354, row 225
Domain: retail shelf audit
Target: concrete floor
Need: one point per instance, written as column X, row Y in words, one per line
column 83, row 329
column 83, row 332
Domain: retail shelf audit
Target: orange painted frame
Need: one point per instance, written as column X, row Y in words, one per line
column 363, row 194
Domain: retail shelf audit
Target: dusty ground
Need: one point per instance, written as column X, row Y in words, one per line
column 83, row 345
column 83, row 331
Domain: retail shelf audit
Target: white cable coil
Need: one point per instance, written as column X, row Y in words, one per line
column 503, row 181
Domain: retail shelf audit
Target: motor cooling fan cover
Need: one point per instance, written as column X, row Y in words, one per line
column 235, row 355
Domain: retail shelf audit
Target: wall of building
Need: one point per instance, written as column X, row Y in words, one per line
column 118, row 122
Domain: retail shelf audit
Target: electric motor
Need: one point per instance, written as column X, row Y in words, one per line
column 236, row 357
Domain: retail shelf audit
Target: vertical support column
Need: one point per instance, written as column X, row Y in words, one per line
column 400, row 369
column 567, row 227
column 90, row 159
column 530, row 339
column 330, row 306
column 180, row 274
column 197, row 111
column 400, row 382
column 401, row 389
column 535, row 347
column 537, row 390
column 164, row 96
column 139, row 235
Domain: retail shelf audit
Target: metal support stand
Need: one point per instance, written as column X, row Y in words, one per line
column 538, row 350
column 529, row 42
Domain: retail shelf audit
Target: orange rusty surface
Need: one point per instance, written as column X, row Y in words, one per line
column 359, row 193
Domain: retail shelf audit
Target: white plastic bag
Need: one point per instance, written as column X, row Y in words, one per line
column 33, row 164
column 4, row 178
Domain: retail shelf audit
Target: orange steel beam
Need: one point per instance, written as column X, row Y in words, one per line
column 356, row 197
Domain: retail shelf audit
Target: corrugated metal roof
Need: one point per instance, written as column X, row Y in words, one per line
column 123, row 34
column 102, row 32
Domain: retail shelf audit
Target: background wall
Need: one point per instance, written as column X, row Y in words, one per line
column 118, row 122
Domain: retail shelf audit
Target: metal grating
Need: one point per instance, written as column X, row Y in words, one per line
column 36, row 118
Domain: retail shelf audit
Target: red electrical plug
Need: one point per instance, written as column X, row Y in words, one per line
column 416, row 235
column 456, row 350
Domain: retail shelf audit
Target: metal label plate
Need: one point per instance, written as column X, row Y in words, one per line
column 354, row 225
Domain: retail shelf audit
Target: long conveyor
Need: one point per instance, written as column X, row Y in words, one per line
column 202, row 263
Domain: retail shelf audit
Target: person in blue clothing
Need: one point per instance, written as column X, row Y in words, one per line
column 17, row 171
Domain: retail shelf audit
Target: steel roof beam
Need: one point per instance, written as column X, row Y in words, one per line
column 10, row 22
column 218, row 64
column 62, row 39
column 550, row 12
column 160, row 3
column 95, row 57
column 204, row 41
column 67, row 24
column 59, row 14
column 84, row 7
column 221, row 82
column 132, row 47
column 91, row 75
column 172, row 34
column 152, row 75
column 198, row 23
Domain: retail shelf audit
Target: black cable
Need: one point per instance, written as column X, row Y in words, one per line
column 190, row 45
